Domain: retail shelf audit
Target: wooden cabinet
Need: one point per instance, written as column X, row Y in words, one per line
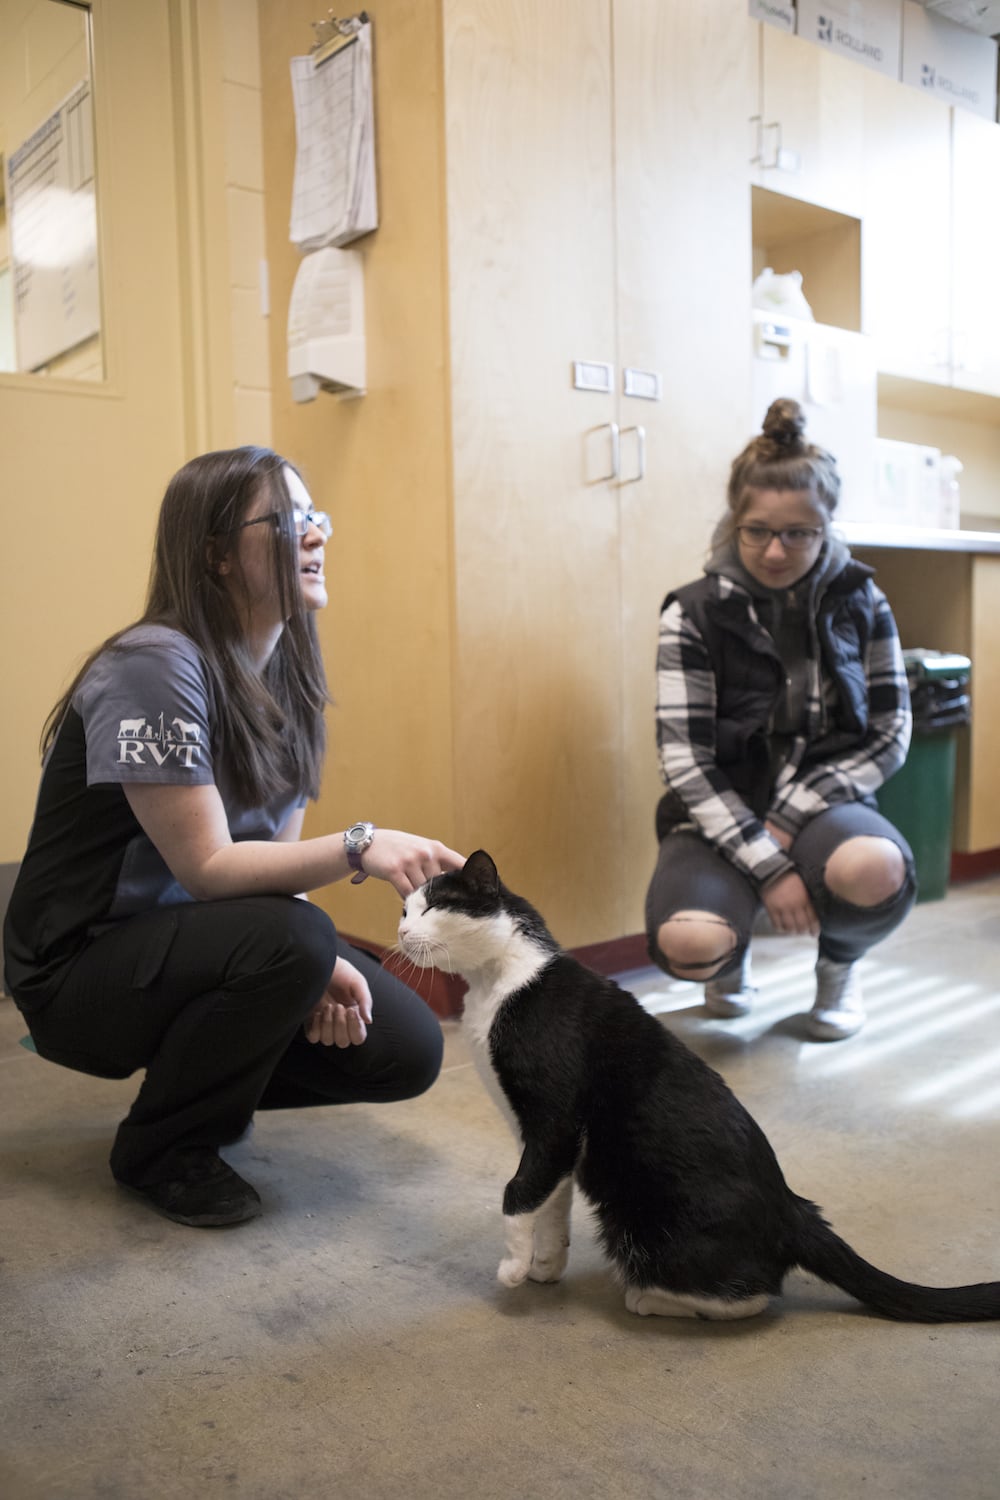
column 557, row 183
column 975, row 202
column 931, row 240
column 537, row 596
column 808, row 109
column 906, row 236
column 615, row 229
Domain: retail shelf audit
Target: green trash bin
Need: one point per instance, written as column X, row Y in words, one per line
column 919, row 799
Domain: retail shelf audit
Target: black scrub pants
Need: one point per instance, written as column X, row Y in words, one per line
column 210, row 998
column 691, row 875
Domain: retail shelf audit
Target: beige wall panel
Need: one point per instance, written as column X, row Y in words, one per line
column 240, row 42
column 252, row 418
column 378, row 464
column 538, row 700
column 251, row 361
column 984, row 797
column 85, row 466
column 244, row 144
column 684, row 310
column 245, row 217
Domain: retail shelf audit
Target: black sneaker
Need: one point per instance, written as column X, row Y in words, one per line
column 209, row 1194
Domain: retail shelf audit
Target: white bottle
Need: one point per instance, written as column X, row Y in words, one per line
column 951, row 467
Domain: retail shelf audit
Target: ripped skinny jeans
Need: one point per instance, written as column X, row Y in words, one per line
column 691, row 875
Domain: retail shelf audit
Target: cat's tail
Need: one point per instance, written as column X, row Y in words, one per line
column 819, row 1250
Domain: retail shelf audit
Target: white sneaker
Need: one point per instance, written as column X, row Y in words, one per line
column 731, row 995
column 837, row 1011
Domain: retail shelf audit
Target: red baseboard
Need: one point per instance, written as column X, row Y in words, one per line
column 616, row 955
column 445, row 993
column 975, row 866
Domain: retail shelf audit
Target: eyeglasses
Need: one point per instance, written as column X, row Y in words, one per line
column 792, row 538
column 301, row 521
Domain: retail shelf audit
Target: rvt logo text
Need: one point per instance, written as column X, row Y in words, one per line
column 143, row 745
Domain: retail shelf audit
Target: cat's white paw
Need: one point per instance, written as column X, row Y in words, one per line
column 512, row 1271
column 550, row 1266
column 633, row 1296
column 519, row 1241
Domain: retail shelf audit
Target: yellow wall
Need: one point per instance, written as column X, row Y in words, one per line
column 84, row 463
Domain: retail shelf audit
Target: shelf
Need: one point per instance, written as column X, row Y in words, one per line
column 777, row 218
column 919, row 538
column 792, row 235
column 937, row 400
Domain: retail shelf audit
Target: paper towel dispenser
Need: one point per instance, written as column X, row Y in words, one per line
column 326, row 325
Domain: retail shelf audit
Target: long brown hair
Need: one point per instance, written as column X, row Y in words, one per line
column 270, row 726
column 780, row 458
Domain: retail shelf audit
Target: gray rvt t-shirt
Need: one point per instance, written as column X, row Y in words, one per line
column 142, row 714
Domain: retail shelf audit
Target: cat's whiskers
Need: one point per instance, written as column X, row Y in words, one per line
column 421, row 952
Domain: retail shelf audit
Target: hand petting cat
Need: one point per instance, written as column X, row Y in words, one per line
column 406, row 860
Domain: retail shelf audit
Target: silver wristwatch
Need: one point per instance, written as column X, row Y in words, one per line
column 357, row 839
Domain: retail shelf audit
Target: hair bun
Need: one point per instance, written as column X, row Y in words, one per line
column 785, row 423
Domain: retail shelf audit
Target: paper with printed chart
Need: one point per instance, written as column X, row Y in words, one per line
column 333, row 193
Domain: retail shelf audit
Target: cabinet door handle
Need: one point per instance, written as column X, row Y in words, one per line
column 640, row 454
column 616, row 452
column 774, row 125
column 757, row 121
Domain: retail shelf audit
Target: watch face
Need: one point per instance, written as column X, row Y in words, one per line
column 359, row 835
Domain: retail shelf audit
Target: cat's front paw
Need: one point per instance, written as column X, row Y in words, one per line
column 512, row 1270
column 549, row 1266
column 519, row 1242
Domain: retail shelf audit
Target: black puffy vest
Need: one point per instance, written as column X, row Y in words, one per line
column 749, row 678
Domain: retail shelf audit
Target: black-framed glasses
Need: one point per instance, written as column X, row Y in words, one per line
column 792, row 538
column 301, row 521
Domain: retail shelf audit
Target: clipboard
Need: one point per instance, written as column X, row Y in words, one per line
column 333, row 36
column 334, row 199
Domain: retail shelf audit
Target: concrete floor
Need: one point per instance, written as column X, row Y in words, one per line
column 354, row 1343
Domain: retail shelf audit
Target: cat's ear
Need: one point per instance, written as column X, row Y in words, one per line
column 480, row 872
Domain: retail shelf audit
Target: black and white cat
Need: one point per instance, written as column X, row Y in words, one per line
column 692, row 1206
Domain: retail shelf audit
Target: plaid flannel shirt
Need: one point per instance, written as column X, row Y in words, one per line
column 686, row 728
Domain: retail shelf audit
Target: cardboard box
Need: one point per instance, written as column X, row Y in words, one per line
column 774, row 13
column 867, row 31
column 956, row 65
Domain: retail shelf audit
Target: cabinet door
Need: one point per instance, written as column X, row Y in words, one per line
column 683, row 276
column 537, row 690
column 976, row 250
column 906, row 240
column 811, row 122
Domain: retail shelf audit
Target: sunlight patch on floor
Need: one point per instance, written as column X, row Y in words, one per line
column 948, row 1016
column 907, row 1008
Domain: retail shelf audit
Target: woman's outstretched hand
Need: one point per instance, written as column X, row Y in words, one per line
column 406, row 861
column 342, row 1017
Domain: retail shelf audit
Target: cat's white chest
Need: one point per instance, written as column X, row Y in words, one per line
column 488, row 989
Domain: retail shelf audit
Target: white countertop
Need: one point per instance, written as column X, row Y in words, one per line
column 926, row 538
